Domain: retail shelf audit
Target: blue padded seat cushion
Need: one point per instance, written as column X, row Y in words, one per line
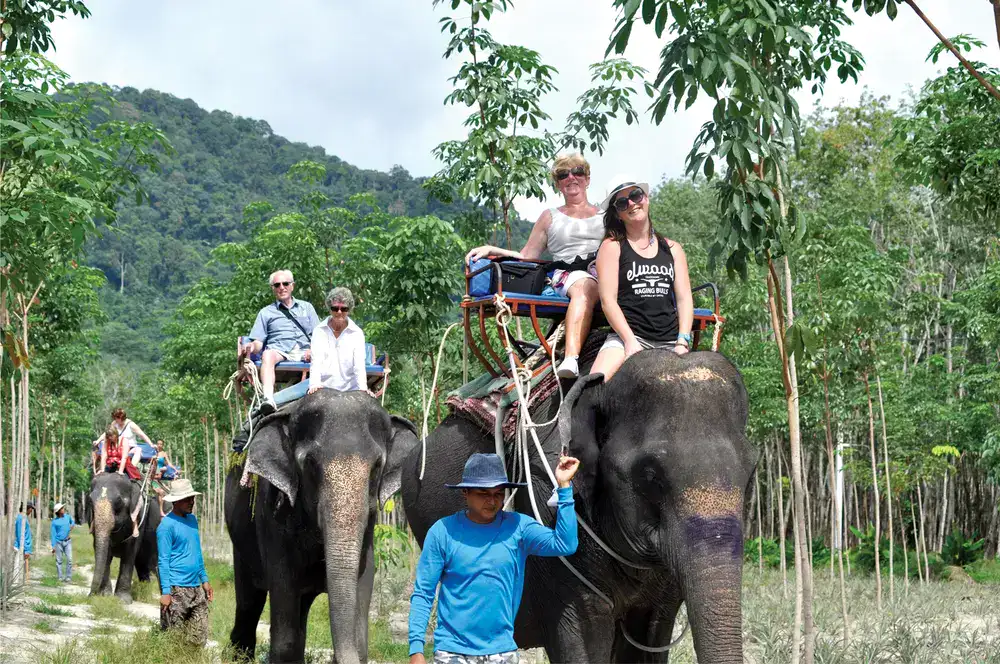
column 372, row 366
column 553, row 302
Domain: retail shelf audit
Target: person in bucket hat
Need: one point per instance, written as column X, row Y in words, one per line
column 478, row 555
column 62, row 547
column 184, row 584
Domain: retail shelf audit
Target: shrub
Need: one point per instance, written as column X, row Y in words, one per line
column 821, row 553
column 772, row 552
column 958, row 550
column 985, row 571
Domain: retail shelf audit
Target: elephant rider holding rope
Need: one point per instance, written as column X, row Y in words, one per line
column 478, row 556
column 282, row 329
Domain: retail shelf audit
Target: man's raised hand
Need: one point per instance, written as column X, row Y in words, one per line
column 566, row 470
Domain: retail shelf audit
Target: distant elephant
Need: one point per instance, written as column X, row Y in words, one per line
column 305, row 525
column 110, row 503
column 664, row 470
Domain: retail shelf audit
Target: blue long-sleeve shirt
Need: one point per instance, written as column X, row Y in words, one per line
column 22, row 522
column 481, row 571
column 179, row 549
column 60, row 529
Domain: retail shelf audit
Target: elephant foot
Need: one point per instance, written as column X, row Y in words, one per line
column 124, row 597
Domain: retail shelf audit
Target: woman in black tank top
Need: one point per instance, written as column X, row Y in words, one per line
column 643, row 281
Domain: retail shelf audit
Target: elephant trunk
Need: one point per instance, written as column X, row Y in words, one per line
column 712, row 576
column 344, row 520
column 104, row 523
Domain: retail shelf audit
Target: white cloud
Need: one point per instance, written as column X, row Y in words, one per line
column 366, row 80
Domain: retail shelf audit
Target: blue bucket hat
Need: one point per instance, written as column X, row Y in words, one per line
column 484, row 471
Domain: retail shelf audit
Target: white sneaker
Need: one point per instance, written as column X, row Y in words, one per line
column 569, row 368
column 267, row 406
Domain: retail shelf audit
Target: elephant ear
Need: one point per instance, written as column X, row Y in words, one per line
column 269, row 455
column 404, row 439
column 578, row 417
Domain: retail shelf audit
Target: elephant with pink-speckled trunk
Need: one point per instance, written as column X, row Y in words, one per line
column 110, row 503
column 301, row 511
column 664, row 468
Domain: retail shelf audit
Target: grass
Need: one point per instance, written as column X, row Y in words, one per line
column 43, row 626
column 50, row 610
column 146, row 591
column 149, row 646
column 382, row 647
column 62, row 598
column 67, row 652
column 109, row 607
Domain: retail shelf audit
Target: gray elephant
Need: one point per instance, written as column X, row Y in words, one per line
column 110, row 504
column 664, row 470
column 301, row 512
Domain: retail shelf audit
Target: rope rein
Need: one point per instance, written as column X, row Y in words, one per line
column 526, row 427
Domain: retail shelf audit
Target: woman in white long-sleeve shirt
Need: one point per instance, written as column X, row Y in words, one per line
column 338, row 347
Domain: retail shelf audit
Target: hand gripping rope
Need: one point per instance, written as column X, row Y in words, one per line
column 522, row 383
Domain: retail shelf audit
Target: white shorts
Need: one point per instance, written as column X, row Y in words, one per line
column 562, row 280
column 615, row 341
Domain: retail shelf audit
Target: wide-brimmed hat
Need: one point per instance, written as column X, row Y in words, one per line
column 57, row 507
column 179, row 490
column 484, row 471
column 619, row 182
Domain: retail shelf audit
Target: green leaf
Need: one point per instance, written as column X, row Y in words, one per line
column 709, row 168
column 648, row 11
column 891, row 10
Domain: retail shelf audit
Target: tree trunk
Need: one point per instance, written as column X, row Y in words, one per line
column 782, row 524
column 916, row 543
column 803, row 568
column 923, row 534
column 888, row 486
column 878, row 524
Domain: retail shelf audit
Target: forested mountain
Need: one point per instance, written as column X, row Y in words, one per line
column 220, row 163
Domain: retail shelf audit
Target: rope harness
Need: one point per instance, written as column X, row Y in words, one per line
column 526, row 427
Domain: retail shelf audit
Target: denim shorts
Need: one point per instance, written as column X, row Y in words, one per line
column 615, row 341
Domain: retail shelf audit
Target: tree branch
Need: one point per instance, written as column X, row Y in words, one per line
column 951, row 47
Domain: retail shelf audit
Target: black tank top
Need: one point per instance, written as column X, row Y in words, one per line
column 646, row 292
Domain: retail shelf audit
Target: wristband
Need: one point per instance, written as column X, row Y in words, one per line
column 685, row 337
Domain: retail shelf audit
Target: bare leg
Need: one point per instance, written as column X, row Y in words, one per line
column 583, row 297
column 267, row 362
column 608, row 361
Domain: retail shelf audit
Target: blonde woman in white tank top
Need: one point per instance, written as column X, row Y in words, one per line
column 574, row 229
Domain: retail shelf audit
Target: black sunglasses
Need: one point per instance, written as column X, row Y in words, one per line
column 336, row 309
column 579, row 171
column 621, row 203
column 277, row 284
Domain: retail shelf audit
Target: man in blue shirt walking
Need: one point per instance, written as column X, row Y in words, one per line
column 62, row 547
column 478, row 557
column 183, row 579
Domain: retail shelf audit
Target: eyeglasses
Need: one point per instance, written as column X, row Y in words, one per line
column 621, row 203
column 579, row 171
column 339, row 309
column 279, row 284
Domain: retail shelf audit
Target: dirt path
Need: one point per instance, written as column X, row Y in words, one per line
column 23, row 637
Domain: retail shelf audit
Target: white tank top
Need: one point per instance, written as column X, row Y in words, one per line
column 569, row 237
column 125, row 433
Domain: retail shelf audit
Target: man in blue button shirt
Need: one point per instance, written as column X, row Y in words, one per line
column 283, row 330
column 62, row 547
column 183, row 579
column 478, row 557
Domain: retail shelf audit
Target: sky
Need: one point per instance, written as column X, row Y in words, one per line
column 366, row 80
